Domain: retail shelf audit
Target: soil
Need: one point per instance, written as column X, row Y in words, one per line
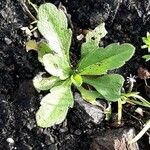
column 126, row 21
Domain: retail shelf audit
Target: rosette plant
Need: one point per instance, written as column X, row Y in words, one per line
column 91, row 69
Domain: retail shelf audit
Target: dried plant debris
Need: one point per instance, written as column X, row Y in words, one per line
column 143, row 73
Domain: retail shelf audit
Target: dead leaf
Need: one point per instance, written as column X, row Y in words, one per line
column 143, row 73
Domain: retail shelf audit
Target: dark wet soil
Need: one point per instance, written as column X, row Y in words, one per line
column 126, row 21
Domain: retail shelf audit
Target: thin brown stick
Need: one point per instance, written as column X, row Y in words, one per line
column 26, row 10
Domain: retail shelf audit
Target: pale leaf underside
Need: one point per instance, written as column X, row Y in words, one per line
column 54, row 106
column 53, row 25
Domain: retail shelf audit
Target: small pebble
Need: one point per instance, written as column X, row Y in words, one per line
column 65, row 129
column 80, row 37
column 35, row 34
column 10, row 140
column 93, row 113
column 139, row 111
column 78, row 132
column 8, row 41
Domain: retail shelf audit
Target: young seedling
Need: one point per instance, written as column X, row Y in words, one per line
column 92, row 67
column 143, row 74
column 146, row 40
column 133, row 98
column 130, row 97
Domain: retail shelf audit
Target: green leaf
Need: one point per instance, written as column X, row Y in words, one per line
column 147, row 57
column 53, row 25
column 146, row 40
column 55, row 105
column 109, row 86
column 42, row 83
column 56, row 66
column 43, row 48
column 144, row 46
column 135, row 98
column 76, row 80
column 92, row 39
column 99, row 61
column 90, row 95
column 87, row 48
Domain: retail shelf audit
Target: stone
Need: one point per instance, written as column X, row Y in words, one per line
column 10, row 140
column 93, row 113
column 116, row 139
column 8, row 41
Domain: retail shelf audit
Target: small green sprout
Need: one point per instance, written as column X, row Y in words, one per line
column 133, row 98
column 91, row 69
column 130, row 97
column 146, row 40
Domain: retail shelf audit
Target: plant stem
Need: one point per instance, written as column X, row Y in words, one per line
column 27, row 10
column 130, row 87
column 33, row 5
column 119, row 111
column 108, row 111
column 141, row 133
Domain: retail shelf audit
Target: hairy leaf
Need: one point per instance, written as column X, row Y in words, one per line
column 99, row 61
column 54, row 106
column 53, row 25
column 109, row 86
column 56, row 66
column 43, row 83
